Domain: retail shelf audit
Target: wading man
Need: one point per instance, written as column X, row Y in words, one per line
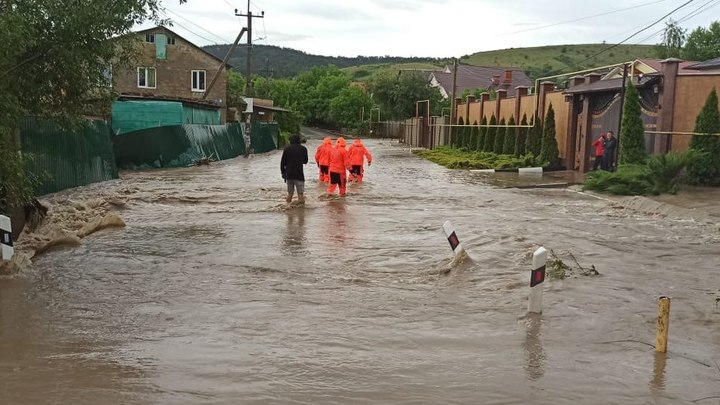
column 294, row 156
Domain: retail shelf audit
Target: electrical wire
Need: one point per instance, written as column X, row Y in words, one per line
column 583, row 18
column 196, row 25
column 188, row 30
column 634, row 34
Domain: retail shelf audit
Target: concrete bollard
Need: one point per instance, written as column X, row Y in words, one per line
column 663, row 324
column 530, row 170
column 537, row 276
column 455, row 243
column 6, row 238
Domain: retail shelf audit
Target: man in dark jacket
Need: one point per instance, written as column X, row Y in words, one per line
column 609, row 151
column 294, row 156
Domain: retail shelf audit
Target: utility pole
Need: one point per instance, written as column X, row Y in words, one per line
column 453, row 107
column 248, row 71
column 248, row 79
column 268, row 72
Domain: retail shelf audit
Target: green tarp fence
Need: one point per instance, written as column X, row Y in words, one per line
column 130, row 116
column 67, row 157
column 182, row 145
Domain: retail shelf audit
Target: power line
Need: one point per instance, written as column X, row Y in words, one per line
column 700, row 9
column 582, row 18
column 636, row 33
column 189, row 30
column 202, row 28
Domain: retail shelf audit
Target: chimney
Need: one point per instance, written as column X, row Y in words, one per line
column 592, row 77
column 496, row 80
column 576, row 80
column 508, row 77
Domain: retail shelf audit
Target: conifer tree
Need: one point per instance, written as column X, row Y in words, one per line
column 549, row 149
column 483, row 133
column 522, row 135
column 458, row 134
column 490, row 137
column 500, row 138
column 706, row 169
column 510, row 137
column 632, row 135
column 474, row 135
column 534, row 138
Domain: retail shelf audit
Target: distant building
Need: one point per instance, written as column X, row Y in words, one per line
column 478, row 77
column 172, row 69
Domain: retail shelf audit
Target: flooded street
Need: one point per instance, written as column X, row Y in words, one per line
column 216, row 293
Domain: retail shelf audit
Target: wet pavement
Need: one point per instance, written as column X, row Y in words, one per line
column 216, row 292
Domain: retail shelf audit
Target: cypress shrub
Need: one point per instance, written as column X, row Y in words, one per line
column 490, row 137
column 510, row 137
column 474, row 135
column 500, row 138
column 549, row 153
column 520, row 140
column 632, row 135
column 534, row 138
column 483, row 133
column 705, row 169
column 458, row 134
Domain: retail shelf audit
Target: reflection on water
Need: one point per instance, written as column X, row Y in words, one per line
column 532, row 347
column 217, row 293
column 294, row 240
column 658, row 381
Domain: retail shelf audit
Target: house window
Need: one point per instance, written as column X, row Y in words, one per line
column 146, row 77
column 150, row 38
column 171, row 40
column 198, row 80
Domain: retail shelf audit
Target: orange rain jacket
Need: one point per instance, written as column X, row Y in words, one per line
column 322, row 154
column 339, row 159
column 358, row 152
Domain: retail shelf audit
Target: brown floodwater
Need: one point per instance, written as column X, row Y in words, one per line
column 217, row 293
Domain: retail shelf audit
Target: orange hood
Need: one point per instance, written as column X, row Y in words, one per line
column 327, row 141
column 340, row 142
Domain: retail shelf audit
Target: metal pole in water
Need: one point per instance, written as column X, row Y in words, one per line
column 537, row 276
column 455, row 243
column 6, row 238
column 663, row 324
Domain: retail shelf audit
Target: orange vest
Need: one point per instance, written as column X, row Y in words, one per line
column 339, row 160
column 358, row 152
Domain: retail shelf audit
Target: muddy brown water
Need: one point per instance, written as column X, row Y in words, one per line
column 216, row 293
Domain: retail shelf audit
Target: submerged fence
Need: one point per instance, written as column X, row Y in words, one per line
column 181, row 145
column 67, row 156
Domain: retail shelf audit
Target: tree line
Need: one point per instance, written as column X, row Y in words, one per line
column 700, row 44
column 325, row 96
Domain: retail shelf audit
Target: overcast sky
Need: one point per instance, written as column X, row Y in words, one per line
column 434, row 28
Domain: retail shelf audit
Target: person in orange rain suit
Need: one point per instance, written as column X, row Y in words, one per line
column 322, row 158
column 339, row 164
column 358, row 152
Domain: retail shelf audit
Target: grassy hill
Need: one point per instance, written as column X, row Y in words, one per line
column 555, row 59
column 287, row 62
column 536, row 61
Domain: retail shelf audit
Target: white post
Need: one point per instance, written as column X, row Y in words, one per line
column 6, row 238
column 537, row 276
column 455, row 243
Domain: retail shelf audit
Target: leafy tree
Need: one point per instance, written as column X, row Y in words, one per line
column 521, row 138
column 474, row 134
column 549, row 152
column 397, row 94
column 534, row 138
column 673, row 40
column 500, row 138
column 490, row 136
column 318, row 87
column 706, row 168
column 345, row 109
column 510, row 137
column 632, row 135
column 703, row 43
column 482, row 135
column 54, row 59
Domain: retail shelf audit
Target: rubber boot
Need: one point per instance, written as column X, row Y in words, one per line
column 331, row 189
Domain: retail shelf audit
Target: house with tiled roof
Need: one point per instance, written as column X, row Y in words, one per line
column 479, row 77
